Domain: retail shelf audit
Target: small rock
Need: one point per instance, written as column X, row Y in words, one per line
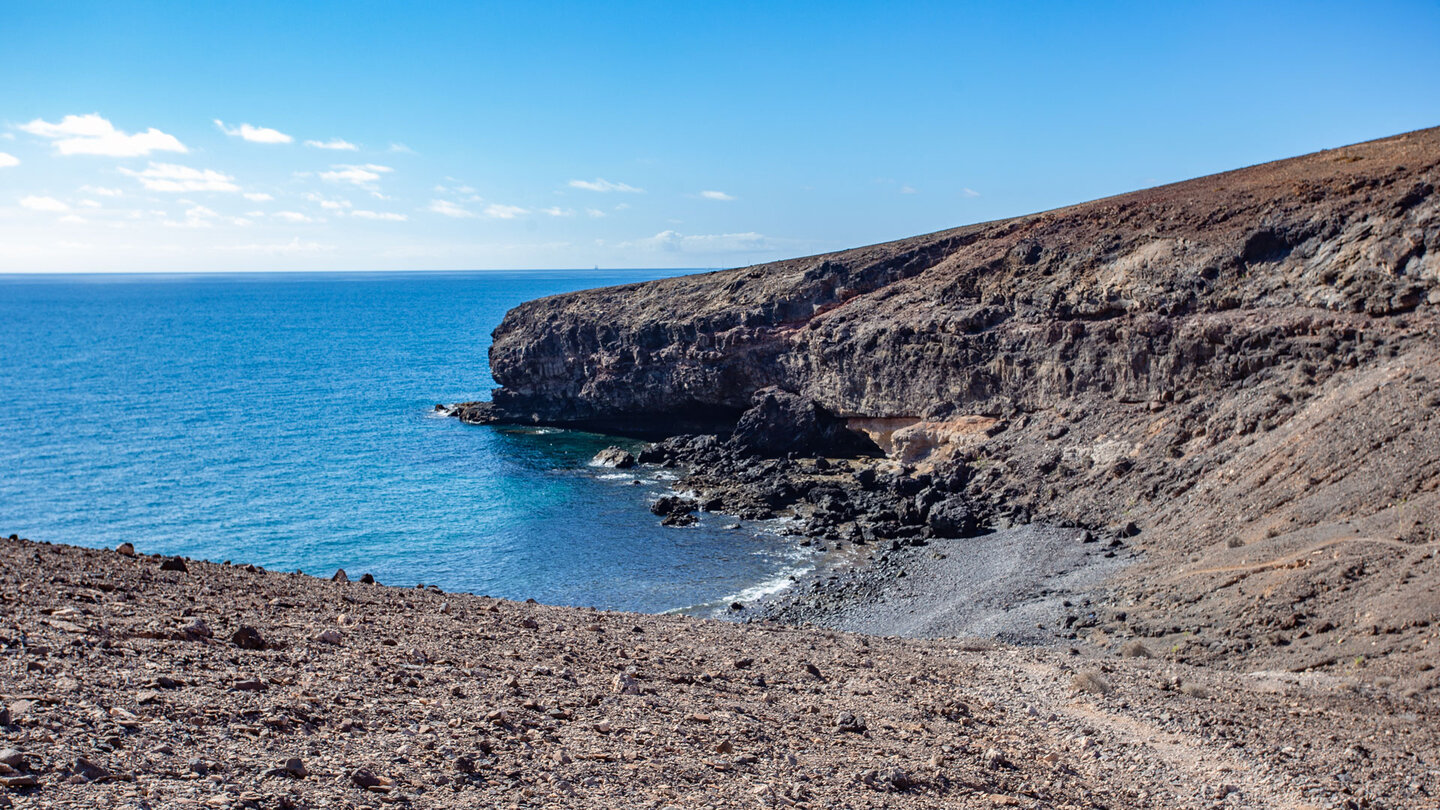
column 367, row 579
column 13, row 758
column 89, row 771
column 614, row 457
column 19, row 782
column 249, row 686
column 295, row 768
column 743, row 663
column 623, row 684
column 125, row 549
column 248, row 638
column 174, row 564
column 994, row 760
column 198, row 766
column 340, row 576
column 197, row 629
column 365, row 779
column 331, row 636
column 848, row 722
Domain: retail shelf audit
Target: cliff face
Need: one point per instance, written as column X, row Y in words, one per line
column 1245, row 365
column 1142, row 297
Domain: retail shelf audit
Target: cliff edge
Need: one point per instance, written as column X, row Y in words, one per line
column 1244, row 366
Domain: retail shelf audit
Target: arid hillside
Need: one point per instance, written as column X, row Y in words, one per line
column 1245, row 366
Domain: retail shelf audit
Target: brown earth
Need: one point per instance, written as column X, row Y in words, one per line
column 123, row 684
column 1245, row 366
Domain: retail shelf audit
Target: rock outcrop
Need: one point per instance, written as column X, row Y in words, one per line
column 1245, row 366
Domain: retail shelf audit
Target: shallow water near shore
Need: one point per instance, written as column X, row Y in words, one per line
column 286, row 421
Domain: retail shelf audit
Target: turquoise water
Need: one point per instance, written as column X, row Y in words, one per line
column 285, row 421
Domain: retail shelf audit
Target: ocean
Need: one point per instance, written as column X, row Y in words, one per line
column 286, row 421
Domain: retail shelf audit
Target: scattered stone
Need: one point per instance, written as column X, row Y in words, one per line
column 125, row 549
column 250, row 685
column 247, row 638
column 849, row 723
column 174, row 564
column 340, row 576
column 331, row 636
column 367, row 579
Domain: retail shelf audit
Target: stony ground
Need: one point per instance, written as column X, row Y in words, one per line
column 123, row 684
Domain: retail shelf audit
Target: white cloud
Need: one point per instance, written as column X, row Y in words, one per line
column 716, row 195
column 600, row 184
column 254, row 134
column 361, row 176
column 497, row 211
column 257, row 196
column 907, row 189
column 170, row 177
column 401, row 148
column 293, row 247
column 382, row 215
column 969, row 192
column 198, row 216
column 595, row 213
column 327, row 204
column 49, row 204
column 672, row 241
column 72, row 219
column 293, row 216
column 93, row 135
column 557, row 211
column 7, row 160
column 90, row 203
column 102, row 191
column 449, row 209
column 333, row 143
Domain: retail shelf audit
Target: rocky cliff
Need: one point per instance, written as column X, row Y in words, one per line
column 1244, row 365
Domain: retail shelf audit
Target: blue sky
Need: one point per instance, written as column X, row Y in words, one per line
column 315, row 136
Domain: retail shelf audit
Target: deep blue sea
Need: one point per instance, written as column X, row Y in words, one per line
column 286, row 421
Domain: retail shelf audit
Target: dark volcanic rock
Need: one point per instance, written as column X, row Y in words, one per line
column 779, row 423
column 616, row 457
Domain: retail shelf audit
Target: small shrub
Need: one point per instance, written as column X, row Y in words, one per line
column 1234, row 542
column 1091, row 681
column 1135, row 649
column 1194, row 690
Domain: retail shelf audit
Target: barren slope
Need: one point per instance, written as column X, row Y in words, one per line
column 126, row 685
column 1245, row 365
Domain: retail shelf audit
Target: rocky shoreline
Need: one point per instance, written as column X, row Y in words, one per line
column 136, row 681
column 878, row 522
column 1233, row 376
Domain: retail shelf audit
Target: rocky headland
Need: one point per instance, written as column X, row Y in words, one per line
column 1230, row 383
